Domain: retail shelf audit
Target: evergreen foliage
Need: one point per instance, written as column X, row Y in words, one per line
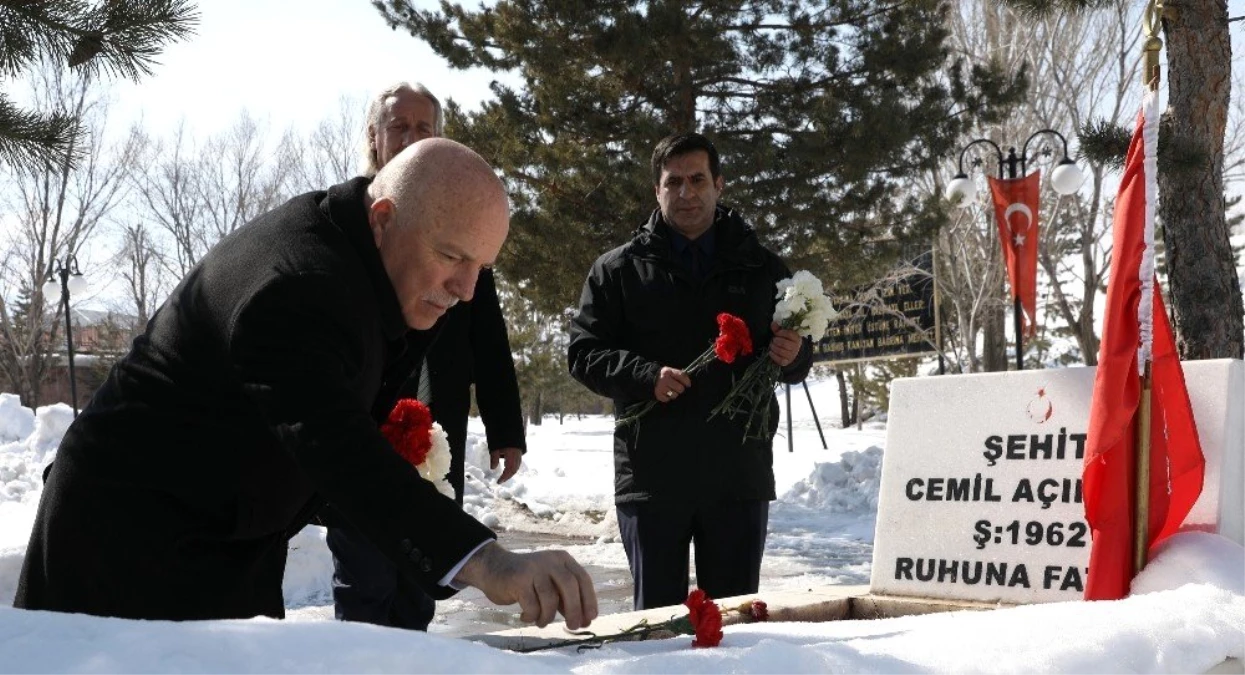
column 114, row 37
column 1104, row 142
column 25, row 317
column 1046, row 7
column 538, row 343
column 823, row 111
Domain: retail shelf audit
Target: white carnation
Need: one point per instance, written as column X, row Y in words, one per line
column 807, row 285
column 803, row 306
column 820, row 314
column 437, row 464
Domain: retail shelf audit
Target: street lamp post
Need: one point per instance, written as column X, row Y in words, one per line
column 1066, row 179
column 64, row 279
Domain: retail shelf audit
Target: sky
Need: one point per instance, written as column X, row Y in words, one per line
column 1187, row 613
column 291, row 67
column 288, row 65
column 285, row 63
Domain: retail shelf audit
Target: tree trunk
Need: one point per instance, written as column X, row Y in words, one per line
column 537, row 409
column 1205, row 290
column 994, row 340
column 845, row 410
column 685, row 109
column 858, row 388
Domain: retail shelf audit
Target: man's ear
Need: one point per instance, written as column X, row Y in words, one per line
column 380, row 218
column 719, row 183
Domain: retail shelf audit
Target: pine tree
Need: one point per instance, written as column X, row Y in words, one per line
column 115, row 37
column 823, row 112
column 26, row 332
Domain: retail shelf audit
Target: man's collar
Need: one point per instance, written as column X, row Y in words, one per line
column 346, row 205
column 706, row 242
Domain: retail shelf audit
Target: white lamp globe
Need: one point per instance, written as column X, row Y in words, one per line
column 1067, row 177
column 960, row 190
column 77, row 284
column 51, row 291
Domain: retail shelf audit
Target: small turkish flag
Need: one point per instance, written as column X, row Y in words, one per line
column 1016, row 213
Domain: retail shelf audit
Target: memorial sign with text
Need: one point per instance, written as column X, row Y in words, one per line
column 892, row 318
column 981, row 495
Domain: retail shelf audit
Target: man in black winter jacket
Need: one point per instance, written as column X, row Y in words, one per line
column 649, row 308
column 472, row 346
column 246, row 404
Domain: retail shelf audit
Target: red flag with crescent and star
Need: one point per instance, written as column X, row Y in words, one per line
column 1016, row 213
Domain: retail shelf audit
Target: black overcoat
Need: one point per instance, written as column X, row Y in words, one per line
column 243, row 406
column 472, row 347
column 641, row 310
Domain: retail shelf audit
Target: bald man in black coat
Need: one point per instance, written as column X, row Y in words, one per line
column 246, row 404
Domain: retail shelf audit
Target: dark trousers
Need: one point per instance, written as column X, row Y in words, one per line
column 729, row 539
column 366, row 587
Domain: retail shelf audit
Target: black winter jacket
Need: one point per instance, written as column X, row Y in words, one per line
column 244, row 404
column 641, row 310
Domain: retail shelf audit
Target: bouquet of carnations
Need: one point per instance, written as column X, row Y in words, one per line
column 420, row 441
column 733, row 341
column 802, row 307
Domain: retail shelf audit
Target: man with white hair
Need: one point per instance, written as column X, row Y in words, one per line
column 398, row 116
column 245, row 405
column 472, row 347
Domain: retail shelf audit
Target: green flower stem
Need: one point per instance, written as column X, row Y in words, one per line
column 681, row 625
column 750, row 396
column 635, row 411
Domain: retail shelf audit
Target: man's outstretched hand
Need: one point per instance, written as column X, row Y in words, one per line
column 544, row 583
column 512, row 458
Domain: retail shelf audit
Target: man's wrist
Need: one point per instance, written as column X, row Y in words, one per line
column 476, row 567
column 460, row 577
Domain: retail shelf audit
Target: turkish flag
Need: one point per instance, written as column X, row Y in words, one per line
column 1016, row 213
column 1135, row 322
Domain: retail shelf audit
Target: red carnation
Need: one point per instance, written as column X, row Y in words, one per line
column 733, row 338
column 759, row 611
column 706, row 619
column 409, row 430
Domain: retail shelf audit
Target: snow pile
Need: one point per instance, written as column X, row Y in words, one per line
column 16, row 420
column 562, row 487
column 28, row 441
column 1190, row 629
column 1193, row 558
column 849, row 485
column 308, row 569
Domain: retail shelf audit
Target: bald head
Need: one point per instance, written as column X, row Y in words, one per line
column 438, row 215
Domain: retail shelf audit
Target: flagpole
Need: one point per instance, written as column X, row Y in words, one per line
column 1141, row 504
column 1141, row 518
column 1012, row 160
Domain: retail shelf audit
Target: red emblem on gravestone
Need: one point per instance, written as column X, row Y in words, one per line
column 1040, row 409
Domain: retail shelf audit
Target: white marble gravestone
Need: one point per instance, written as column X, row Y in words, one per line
column 981, row 492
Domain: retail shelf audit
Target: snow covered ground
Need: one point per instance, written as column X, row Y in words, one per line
column 1187, row 613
